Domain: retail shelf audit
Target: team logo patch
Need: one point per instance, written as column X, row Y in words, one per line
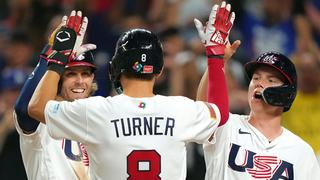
column 142, row 105
column 211, row 110
column 137, row 66
column 147, row 69
column 56, row 107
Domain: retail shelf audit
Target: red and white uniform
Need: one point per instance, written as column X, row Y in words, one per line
column 45, row 158
column 134, row 138
column 240, row 151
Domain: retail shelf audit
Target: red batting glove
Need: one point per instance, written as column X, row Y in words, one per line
column 215, row 34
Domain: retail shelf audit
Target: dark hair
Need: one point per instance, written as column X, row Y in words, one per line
column 139, row 76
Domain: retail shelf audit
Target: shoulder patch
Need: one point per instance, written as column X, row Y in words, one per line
column 211, row 110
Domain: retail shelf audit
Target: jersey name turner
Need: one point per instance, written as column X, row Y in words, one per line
column 137, row 126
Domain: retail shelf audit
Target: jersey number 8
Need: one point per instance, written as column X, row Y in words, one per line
column 143, row 164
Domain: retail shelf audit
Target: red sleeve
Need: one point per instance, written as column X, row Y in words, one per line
column 217, row 88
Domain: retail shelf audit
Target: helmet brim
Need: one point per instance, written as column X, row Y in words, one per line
column 81, row 63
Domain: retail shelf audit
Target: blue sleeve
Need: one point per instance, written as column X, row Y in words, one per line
column 26, row 123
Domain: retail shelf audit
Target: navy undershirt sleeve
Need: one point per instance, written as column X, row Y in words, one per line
column 26, row 123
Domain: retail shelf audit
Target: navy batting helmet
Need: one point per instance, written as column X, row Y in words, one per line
column 84, row 59
column 282, row 95
column 139, row 52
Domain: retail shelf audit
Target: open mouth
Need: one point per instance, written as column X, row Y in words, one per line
column 258, row 95
column 78, row 90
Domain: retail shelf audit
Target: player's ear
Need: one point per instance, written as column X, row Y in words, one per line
column 158, row 75
column 92, row 75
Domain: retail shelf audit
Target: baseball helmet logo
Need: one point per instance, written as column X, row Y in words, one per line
column 270, row 59
column 137, row 66
column 80, row 57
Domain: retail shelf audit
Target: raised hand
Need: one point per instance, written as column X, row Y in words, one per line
column 65, row 42
column 215, row 34
column 230, row 50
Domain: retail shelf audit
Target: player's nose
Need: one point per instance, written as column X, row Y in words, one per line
column 259, row 84
column 79, row 78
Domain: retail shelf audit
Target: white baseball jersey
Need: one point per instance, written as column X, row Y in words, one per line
column 45, row 158
column 240, row 151
column 134, row 138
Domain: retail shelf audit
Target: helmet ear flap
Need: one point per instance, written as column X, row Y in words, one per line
column 114, row 77
column 111, row 71
column 280, row 96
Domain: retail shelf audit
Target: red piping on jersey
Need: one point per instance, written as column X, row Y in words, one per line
column 217, row 88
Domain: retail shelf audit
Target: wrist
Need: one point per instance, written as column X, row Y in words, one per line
column 215, row 57
column 216, row 50
column 57, row 62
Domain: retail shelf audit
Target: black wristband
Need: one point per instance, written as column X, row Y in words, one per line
column 215, row 56
column 57, row 63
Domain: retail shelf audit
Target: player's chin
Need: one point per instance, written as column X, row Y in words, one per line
column 256, row 102
column 79, row 95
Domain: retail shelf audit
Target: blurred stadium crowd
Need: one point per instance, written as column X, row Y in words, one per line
column 291, row 27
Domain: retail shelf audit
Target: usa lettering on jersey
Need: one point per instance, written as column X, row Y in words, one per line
column 75, row 151
column 259, row 166
column 138, row 126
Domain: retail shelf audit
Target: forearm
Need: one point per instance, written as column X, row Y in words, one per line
column 26, row 123
column 217, row 91
column 215, row 38
column 213, row 88
column 45, row 91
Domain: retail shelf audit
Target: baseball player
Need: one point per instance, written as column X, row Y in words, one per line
column 257, row 146
column 137, row 134
column 43, row 156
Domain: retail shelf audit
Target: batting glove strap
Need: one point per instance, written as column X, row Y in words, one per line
column 56, row 62
column 215, row 50
column 212, row 56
